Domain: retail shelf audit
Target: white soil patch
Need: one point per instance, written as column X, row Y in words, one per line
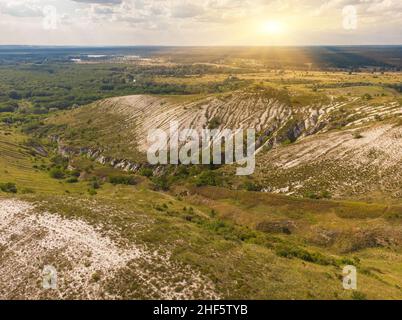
column 85, row 259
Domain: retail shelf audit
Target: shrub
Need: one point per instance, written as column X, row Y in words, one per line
column 146, row 172
column 14, row 95
column 72, row 180
column 94, row 184
column 161, row 183
column 214, row 123
column 207, row 178
column 310, row 195
column 56, row 173
column 251, row 186
column 128, row 180
column 92, row 192
column 107, row 87
column 226, row 229
column 8, row 187
column 159, row 208
column 289, row 252
column 367, row 96
column 182, row 172
column 75, row 173
column 357, row 295
column 59, row 160
column 8, row 108
column 96, row 277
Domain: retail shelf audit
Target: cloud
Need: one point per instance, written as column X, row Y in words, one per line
column 209, row 21
column 186, row 10
column 21, row 9
column 384, row 5
column 102, row 10
column 100, row 1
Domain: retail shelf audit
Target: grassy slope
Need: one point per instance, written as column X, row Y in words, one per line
column 237, row 239
column 17, row 163
column 223, row 244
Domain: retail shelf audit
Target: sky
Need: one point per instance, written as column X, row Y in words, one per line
column 197, row 22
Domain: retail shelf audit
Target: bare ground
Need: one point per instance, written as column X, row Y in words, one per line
column 89, row 264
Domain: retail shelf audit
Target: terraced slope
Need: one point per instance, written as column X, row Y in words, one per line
column 139, row 114
column 233, row 111
column 347, row 147
column 363, row 162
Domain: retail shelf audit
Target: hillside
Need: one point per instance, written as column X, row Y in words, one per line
column 347, row 146
column 78, row 194
column 128, row 242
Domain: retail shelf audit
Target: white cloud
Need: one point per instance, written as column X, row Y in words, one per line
column 196, row 22
column 100, row 1
column 186, row 10
column 21, row 9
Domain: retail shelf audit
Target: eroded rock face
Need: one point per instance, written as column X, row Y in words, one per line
column 96, row 155
column 315, row 155
column 339, row 162
column 274, row 121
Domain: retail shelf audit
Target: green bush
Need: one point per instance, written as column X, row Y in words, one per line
column 161, row 183
column 251, row 186
column 289, row 252
column 75, row 173
column 92, row 192
column 226, row 229
column 214, row 123
column 72, row 180
column 357, row 295
column 94, row 184
column 128, row 180
column 146, row 172
column 8, row 108
column 8, row 187
column 325, row 194
column 59, row 161
column 367, row 96
column 207, row 178
column 15, row 95
column 56, row 173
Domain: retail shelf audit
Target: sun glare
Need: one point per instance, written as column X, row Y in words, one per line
column 273, row 27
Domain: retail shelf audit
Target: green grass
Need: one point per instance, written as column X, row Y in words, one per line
column 243, row 263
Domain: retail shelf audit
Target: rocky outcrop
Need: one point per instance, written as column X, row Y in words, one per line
column 96, row 155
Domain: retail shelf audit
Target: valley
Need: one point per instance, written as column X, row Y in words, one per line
column 77, row 192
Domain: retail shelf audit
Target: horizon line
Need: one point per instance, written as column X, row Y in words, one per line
column 194, row 46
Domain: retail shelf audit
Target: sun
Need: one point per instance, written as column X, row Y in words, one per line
column 272, row 27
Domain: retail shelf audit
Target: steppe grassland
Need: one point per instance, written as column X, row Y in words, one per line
column 275, row 246
column 159, row 221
